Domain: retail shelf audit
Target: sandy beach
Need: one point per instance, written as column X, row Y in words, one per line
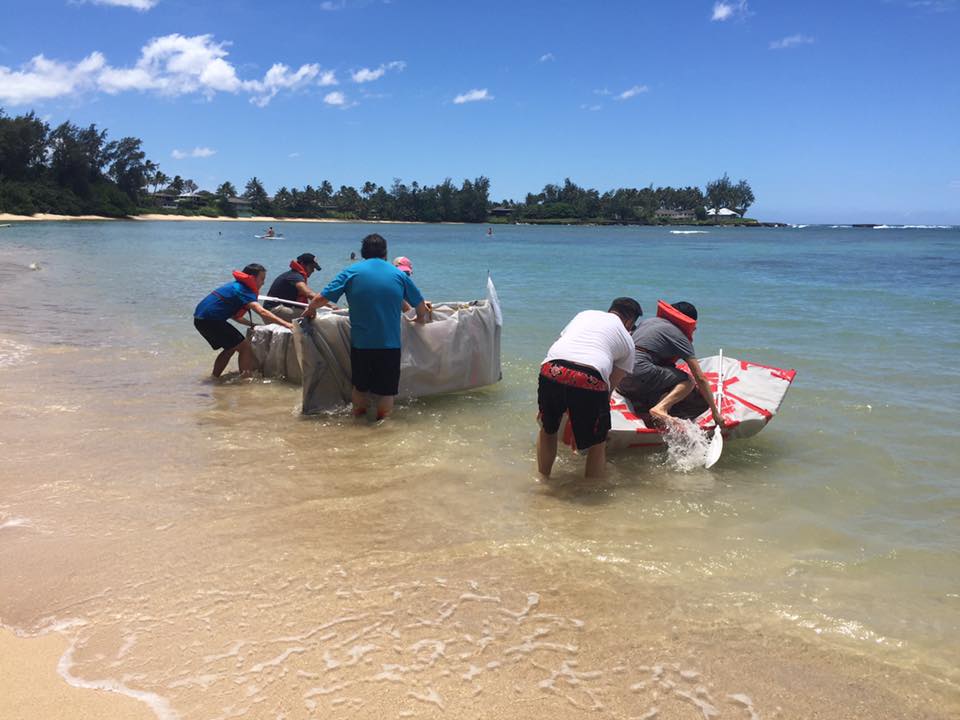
column 48, row 217
column 32, row 687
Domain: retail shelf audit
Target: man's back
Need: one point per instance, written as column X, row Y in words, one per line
column 375, row 290
column 663, row 341
column 596, row 339
column 285, row 286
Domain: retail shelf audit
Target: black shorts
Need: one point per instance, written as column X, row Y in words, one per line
column 649, row 382
column 219, row 333
column 589, row 410
column 376, row 370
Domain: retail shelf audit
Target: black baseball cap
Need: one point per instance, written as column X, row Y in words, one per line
column 308, row 259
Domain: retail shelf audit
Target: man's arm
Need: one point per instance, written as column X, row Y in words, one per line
column 423, row 312
column 317, row 302
column 305, row 290
column 268, row 316
column 616, row 376
column 704, row 385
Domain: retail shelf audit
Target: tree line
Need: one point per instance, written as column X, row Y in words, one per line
column 72, row 170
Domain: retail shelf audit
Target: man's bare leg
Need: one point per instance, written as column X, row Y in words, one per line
column 384, row 406
column 220, row 364
column 247, row 360
column 360, row 402
column 546, row 452
column 596, row 461
column 661, row 411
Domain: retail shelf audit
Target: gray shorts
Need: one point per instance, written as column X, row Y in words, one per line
column 649, row 382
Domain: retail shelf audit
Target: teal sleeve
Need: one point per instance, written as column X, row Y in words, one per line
column 410, row 292
column 336, row 287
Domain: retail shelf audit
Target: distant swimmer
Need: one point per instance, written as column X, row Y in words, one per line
column 375, row 290
column 353, row 256
column 594, row 352
column 656, row 384
column 292, row 285
column 489, row 231
column 232, row 301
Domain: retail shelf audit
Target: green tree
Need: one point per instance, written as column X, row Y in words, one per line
column 720, row 193
column 226, row 190
column 177, row 185
column 257, row 195
column 128, row 168
column 742, row 197
column 23, row 145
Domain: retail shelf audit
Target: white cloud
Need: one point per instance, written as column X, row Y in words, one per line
column 279, row 77
column 791, row 41
column 724, row 10
column 141, row 5
column 293, row 155
column 632, row 92
column 367, row 75
column 472, row 96
column 43, row 79
column 602, row 92
column 547, row 57
column 591, row 108
column 197, row 152
column 333, row 5
column 933, row 6
column 170, row 65
column 335, row 98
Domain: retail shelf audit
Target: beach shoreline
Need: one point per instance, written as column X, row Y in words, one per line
column 50, row 217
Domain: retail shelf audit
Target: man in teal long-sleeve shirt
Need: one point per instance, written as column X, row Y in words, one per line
column 375, row 291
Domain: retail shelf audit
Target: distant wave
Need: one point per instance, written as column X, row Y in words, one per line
column 688, row 232
column 912, row 227
column 799, row 227
column 841, row 226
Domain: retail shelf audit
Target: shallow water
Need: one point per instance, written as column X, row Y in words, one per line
column 204, row 544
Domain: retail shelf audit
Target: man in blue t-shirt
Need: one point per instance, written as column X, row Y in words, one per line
column 375, row 290
column 230, row 302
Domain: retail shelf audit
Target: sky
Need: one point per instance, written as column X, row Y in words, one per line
column 833, row 111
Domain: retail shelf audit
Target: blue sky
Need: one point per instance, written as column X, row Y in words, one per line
column 834, row 111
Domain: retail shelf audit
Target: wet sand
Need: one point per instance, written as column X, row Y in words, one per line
column 31, row 688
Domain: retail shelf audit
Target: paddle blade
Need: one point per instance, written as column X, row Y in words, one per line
column 715, row 450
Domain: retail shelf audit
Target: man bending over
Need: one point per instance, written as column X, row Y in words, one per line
column 656, row 383
column 593, row 353
column 232, row 301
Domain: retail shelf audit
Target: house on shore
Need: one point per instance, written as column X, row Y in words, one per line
column 675, row 215
column 165, row 200
column 501, row 211
column 241, row 206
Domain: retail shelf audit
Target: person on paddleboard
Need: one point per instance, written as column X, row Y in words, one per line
column 656, row 383
column 231, row 302
column 269, row 233
column 591, row 356
column 375, row 291
column 292, row 286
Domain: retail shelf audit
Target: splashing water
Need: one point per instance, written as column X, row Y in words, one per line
column 686, row 446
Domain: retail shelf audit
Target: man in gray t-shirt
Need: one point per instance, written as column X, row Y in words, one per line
column 656, row 383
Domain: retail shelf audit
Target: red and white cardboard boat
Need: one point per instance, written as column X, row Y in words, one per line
column 752, row 395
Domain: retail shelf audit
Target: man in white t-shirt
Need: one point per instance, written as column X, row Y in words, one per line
column 595, row 351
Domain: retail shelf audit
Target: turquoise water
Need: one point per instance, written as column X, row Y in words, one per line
column 839, row 523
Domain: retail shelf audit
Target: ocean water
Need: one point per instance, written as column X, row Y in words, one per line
column 215, row 554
